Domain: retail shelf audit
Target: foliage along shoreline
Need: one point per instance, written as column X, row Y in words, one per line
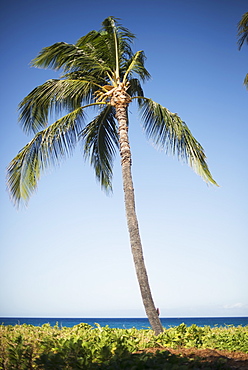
column 85, row 347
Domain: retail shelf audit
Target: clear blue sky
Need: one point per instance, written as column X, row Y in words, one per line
column 67, row 254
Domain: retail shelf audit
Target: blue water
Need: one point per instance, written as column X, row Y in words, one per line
column 127, row 323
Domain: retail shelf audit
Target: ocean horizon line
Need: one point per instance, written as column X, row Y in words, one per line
column 121, row 317
column 126, row 322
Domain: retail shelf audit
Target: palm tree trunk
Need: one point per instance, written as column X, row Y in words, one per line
column 132, row 222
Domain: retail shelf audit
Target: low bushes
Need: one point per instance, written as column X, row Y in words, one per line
column 25, row 347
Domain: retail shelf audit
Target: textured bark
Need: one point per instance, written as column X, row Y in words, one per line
column 133, row 228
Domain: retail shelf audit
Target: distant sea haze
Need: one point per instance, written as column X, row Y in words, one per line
column 126, row 323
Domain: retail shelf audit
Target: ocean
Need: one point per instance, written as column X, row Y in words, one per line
column 126, row 323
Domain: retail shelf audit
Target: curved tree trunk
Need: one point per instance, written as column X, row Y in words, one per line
column 133, row 228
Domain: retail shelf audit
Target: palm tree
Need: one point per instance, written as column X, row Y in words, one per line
column 100, row 70
column 243, row 37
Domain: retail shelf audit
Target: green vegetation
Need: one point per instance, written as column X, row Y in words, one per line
column 243, row 37
column 84, row 347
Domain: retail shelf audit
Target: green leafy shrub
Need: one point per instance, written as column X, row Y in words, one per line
column 25, row 347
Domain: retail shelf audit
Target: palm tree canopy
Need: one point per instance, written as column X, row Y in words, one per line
column 243, row 30
column 243, row 37
column 92, row 69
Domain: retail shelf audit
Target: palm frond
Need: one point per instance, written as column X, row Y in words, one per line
column 243, row 30
column 54, row 96
column 117, row 39
column 57, row 56
column 100, row 139
column 135, row 90
column 168, row 132
column 98, row 56
column 102, row 55
column 135, row 64
column 47, row 148
column 86, row 41
column 111, row 24
column 246, row 81
column 69, row 57
column 97, row 52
